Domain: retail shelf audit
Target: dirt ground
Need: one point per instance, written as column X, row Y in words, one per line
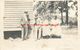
column 67, row 42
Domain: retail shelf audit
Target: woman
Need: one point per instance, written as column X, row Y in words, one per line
column 55, row 26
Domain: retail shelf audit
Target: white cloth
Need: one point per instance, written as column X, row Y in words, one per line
column 56, row 28
column 46, row 30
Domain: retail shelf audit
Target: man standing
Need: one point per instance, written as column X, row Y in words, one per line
column 26, row 26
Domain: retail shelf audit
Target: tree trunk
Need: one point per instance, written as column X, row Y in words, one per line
column 62, row 17
column 67, row 12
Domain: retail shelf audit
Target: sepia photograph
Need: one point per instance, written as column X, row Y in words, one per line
column 59, row 16
column 39, row 25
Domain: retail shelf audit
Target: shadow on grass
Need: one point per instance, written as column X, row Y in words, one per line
column 51, row 36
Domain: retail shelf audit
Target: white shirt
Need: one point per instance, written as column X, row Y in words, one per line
column 23, row 20
column 56, row 28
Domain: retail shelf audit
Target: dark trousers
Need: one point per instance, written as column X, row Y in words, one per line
column 39, row 33
column 26, row 32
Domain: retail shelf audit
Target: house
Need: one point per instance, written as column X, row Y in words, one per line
column 13, row 11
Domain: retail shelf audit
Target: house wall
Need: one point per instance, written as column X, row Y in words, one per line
column 1, row 17
column 14, row 11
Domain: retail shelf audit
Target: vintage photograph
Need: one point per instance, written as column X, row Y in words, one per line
column 38, row 24
column 42, row 19
column 57, row 18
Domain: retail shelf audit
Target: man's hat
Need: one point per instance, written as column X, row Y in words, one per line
column 26, row 12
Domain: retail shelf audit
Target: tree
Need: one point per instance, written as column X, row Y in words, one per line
column 44, row 6
column 67, row 12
